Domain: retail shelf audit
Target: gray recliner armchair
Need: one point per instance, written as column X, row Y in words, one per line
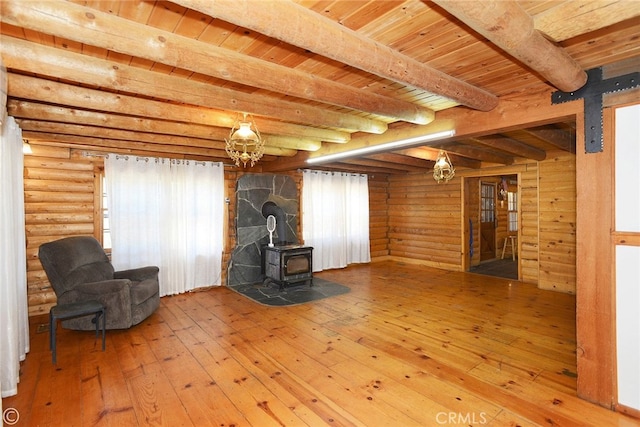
column 80, row 270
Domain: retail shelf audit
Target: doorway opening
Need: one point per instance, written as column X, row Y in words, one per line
column 492, row 217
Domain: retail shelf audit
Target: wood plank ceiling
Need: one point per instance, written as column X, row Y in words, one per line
column 169, row 78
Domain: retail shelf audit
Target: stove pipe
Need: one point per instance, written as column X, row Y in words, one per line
column 270, row 208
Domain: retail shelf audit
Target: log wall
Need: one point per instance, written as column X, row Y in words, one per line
column 379, row 215
column 529, row 238
column 59, row 202
column 557, row 185
column 424, row 220
column 427, row 224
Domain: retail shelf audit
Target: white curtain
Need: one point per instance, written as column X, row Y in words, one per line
column 134, row 198
column 335, row 218
column 14, row 315
column 167, row 213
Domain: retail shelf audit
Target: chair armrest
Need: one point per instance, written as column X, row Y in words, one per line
column 103, row 287
column 138, row 274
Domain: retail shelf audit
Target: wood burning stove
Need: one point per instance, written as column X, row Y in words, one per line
column 288, row 264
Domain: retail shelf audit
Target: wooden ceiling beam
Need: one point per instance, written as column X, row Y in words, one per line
column 124, row 136
column 43, row 60
column 462, row 161
column 299, row 161
column 299, row 26
column 32, row 88
column 507, row 25
column 293, row 143
column 431, row 154
column 55, row 113
column 121, row 135
column 481, row 154
column 94, row 28
column 418, row 153
column 360, row 167
column 382, row 165
column 402, row 159
column 560, row 138
column 512, row 147
column 114, row 145
column 467, row 155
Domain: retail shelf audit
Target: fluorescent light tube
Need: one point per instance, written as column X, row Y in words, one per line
column 381, row 147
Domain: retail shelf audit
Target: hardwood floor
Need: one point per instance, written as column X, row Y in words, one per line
column 409, row 345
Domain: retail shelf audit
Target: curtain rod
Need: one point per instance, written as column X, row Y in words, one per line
column 126, row 156
column 87, row 154
column 334, row 172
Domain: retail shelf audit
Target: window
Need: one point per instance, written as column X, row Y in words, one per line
column 335, row 218
column 512, row 214
column 487, row 203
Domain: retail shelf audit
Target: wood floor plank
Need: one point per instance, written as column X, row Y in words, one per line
column 203, row 398
column 408, row 373
column 313, row 407
column 188, row 326
column 39, row 355
column 410, row 367
column 408, row 345
column 132, row 349
column 508, row 419
column 105, row 397
column 154, row 399
column 214, row 404
column 243, row 387
column 357, row 402
column 538, row 395
column 66, row 382
column 417, row 404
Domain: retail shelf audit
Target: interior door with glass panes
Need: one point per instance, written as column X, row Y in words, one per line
column 487, row 220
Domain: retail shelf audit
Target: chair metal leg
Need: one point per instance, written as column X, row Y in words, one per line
column 50, row 330
column 101, row 315
column 104, row 327
column 52, row 337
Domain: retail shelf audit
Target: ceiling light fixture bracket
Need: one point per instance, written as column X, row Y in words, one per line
column 245, row 144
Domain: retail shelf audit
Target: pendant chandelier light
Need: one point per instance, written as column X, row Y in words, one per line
column 244, row 143
column 443, row 170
